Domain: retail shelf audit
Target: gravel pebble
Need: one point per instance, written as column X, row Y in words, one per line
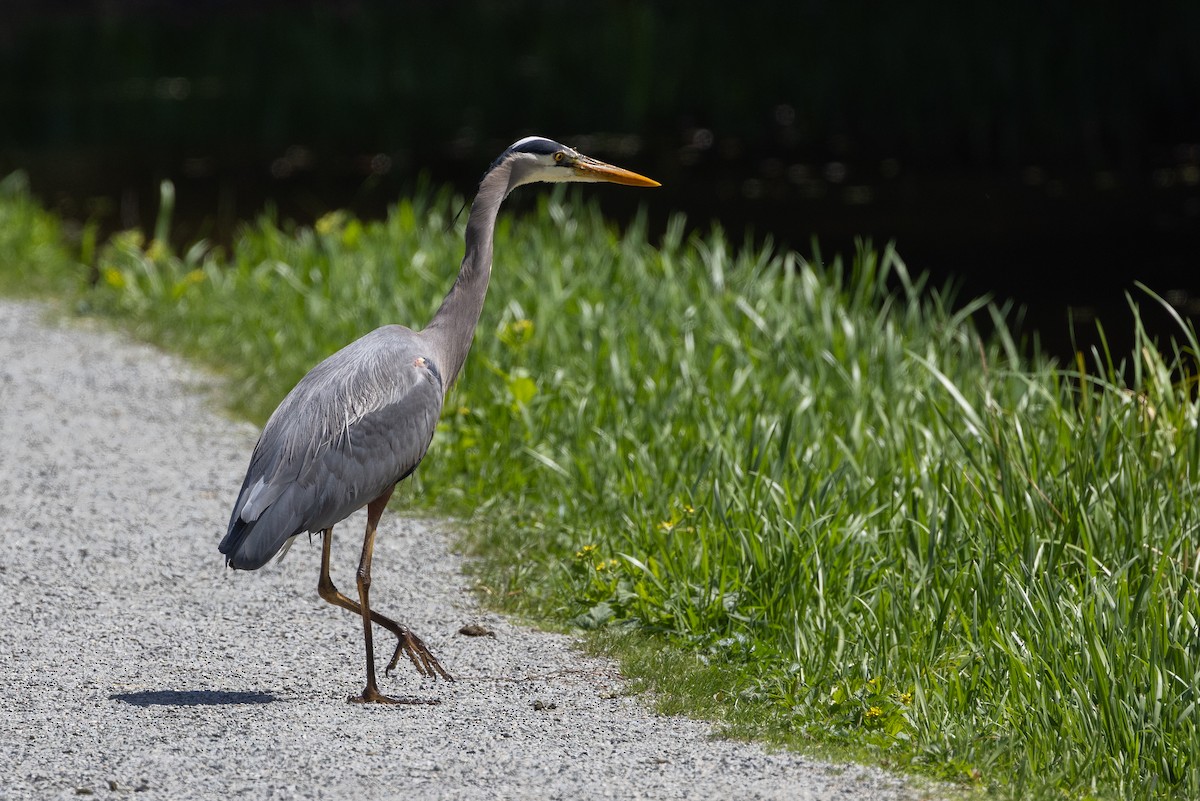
column 136, row 664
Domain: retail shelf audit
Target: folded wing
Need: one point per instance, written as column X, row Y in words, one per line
column 359, row 422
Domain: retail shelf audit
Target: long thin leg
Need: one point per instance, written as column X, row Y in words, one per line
column 406, row 642
column 374, row 511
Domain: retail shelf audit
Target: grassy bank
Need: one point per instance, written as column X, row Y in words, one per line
column 841, row 516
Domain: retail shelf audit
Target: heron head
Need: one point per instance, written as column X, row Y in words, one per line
column 536, row 158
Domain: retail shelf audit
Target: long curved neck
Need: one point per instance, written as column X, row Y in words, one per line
column 453, row 326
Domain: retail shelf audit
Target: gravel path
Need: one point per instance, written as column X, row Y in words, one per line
column 134, row 662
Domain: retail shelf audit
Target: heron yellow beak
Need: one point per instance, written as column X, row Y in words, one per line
column 590, row 169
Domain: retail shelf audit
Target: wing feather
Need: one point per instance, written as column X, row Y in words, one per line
column 359, row 422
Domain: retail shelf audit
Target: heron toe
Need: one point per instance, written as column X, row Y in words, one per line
column 373, row 696
column 418, row 653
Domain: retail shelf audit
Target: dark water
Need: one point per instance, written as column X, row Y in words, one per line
column 1068, row 252
column 1044, row 153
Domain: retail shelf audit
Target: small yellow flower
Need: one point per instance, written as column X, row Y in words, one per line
column 906, row 698
column 131, row 239
column 157, row 250
column 517, row 333
column 667, row 526
column 874, row 713
column 585, row 551
column 114, row 278
column 689, row 510
column 330, row 222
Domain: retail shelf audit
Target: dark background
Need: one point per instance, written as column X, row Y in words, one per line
column 1047, row 153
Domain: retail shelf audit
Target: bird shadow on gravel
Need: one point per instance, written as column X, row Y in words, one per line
column 147, row 698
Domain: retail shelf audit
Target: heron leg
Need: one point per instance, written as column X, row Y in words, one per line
column 407, row 643
column 411, row 643
column 374, row 510
column 330, row 593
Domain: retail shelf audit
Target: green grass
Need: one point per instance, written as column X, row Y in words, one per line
column 842, row 516
column 34, row 256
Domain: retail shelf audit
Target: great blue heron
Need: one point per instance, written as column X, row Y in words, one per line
column 361, row 421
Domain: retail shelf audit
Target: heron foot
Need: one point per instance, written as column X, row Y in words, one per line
column 425, row 662
column 371, row 695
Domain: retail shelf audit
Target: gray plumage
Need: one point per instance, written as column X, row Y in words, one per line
column 361, row 420
column 358, row 423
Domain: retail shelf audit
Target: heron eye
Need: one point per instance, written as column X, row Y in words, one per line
column 558, row 157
